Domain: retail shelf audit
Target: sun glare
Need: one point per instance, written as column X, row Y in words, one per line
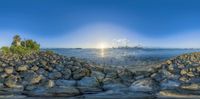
column 102, row 45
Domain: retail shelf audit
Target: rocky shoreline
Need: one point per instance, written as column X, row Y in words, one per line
column 46, row 74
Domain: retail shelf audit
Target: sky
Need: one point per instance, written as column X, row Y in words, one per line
column 92, row 23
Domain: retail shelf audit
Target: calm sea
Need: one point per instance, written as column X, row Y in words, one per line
column 123, row 57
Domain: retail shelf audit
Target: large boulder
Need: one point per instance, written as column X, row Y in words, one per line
column 144, row 85
column 170, row 84
column 88, row 82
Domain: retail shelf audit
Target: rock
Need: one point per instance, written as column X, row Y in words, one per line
column 114, row 86
column 64, row 91
column 80, row 73
column 50, row 84
column 55, row 75
column 11, row 81
column 61, row 82
column 9, row 70
column 144, row 85
column 22, row 68
column 100, row 76
column 170, row 84
column 34, row 68
column 67, row 73
column 40, row 91
column 36, row 79
column 88, row 82
column 192, row 87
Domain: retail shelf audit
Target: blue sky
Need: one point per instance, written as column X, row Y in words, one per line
column 87, row 23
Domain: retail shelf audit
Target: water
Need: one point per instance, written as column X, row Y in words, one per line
column 124, row 57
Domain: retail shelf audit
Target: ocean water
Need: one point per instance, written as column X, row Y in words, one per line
column 123, row 57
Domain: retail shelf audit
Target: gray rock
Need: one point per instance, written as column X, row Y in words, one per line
column 67, row 73
column 169, row 84
column 80, row 73
column 55, row 75
column 63, row 91
column 88, row 82
column 143, row 85
column 114, row 86
column 99, row 75
column 61, row 82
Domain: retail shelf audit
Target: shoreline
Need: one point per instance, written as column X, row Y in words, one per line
column 51, row 75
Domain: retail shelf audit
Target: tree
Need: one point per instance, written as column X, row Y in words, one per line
column 16, row 40
column 31, row 45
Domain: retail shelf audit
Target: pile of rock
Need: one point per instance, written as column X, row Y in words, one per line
column 50, row 74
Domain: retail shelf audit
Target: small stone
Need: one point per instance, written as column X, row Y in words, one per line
column 35, row 79
column 22, row 68
column 9, row 70
column 34, row 68
column 50, row 83
column 11, row 81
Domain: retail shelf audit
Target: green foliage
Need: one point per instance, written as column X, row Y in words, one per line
column 5, row 50
column 30, row 44
column 49, row 52
column 21, row 47
column 19, row 50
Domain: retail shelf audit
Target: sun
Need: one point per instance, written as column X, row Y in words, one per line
column 102, row 45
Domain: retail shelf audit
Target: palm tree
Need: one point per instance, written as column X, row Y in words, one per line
column 16, row 40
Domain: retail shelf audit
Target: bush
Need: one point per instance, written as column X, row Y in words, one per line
column 19, row 50
column 21, row 47
column 30, row 44
column 5, row 50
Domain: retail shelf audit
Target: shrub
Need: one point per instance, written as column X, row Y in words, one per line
column 21, row 47
column 30, row 44
column 19, row 50
column 49, row 52
column 5, row 50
